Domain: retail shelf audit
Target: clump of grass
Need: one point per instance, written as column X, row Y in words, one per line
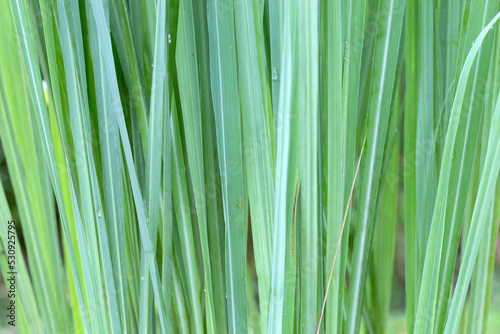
column 192, row 166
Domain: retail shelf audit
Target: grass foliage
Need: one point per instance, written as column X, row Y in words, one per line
column 220, row 166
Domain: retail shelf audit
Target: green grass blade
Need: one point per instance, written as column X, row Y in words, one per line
column 425, row 152
column 410, row 148
column 22, row 138
column 112, row 184
column 308, row 104
column 92, row 209
column 184, row 223
column 494, row 86
column 276, row 43
column 292, row 215
column 481, row 211
column 63, row 169
column 465, row 147
column 428, row 291
column 27, row 297
column 476, row 315
column 133, row 251
column 104, row 39
column 354, row 32
column 109, row 98
column 52, row 45
column 180, row 309
column 386, row 51
column 285, row 117
column 257, row 148
column 227, row 120
column 43, row 288
column 190, row 98
column 24, row 30
column 153, row 160
column 167, row 222
column 384, row 236
column 452, row 22
column 332, row 102
column 495, row 217
column 167, row 260
column 215, row 219
column 121, row 30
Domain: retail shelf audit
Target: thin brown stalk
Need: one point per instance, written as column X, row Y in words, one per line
column 340, row 236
